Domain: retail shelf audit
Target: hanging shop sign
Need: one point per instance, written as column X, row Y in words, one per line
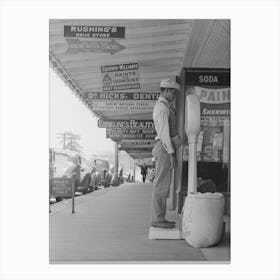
column 77, row 46
column 207, row 77
column 141, row 161
column 119, row 134
column 214, row 104
column 120, row 77
column 139, row 124
column 139, row 142
column 122, row 101
column 97, row 32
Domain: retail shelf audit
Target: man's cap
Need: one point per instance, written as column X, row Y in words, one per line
column 168, row 83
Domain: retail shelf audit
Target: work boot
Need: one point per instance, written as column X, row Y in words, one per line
column 163, row 224
column 169, row 222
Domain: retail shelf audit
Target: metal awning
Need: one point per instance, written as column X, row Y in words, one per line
column 159, row 47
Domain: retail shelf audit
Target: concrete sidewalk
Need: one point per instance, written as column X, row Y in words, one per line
column 112, row 225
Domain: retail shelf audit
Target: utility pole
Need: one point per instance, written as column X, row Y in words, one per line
column 64, row 141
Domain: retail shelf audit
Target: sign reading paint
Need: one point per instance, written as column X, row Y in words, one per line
column 214, row 104
column 141, row 124
column 120, row 77
column 97, row 32
column 118, row 133
column 120, row 101
column 77, row 46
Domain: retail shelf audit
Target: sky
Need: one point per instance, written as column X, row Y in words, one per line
column 68, row 113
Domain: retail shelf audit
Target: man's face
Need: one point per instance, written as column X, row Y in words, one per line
column 171, row 94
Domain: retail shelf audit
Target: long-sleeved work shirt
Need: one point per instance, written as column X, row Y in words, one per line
column 161, row 114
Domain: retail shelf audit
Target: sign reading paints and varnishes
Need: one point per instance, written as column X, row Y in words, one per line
column 120, row 77
column 130, row 133
column 135, row 124
column 96, row 32
column 121, row 101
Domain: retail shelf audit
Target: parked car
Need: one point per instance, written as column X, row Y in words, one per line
column 70, row 164
column 103, row 175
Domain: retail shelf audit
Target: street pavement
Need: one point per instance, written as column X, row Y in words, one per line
column 112, row 225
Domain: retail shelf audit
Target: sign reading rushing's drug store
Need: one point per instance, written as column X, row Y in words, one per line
column 119, row 101
column 120, row 77
column 97, row 32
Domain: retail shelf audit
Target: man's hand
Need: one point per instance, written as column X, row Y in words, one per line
column 173, row 161
column 178, row 141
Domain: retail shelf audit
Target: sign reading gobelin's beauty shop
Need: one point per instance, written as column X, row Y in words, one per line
column 121, row 101
column 126, row 124
column 120, row 77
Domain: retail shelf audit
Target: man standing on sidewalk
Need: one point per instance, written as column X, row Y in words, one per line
column 167, row 141
column 144, row 171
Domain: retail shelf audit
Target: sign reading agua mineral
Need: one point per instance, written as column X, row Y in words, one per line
column 77, row 46
column 97, row 32
column 122, row 101
column 135, row 124
column 120, row 77
column 130, row 133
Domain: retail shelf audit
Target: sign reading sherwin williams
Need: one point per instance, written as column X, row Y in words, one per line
column 118, row 133
column 97, row 32
column 77, row 46
column 120, row 77
column 139, row 124
column 121, row 101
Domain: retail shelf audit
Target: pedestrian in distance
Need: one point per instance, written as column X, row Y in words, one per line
column 144, row 171
column 166, row 143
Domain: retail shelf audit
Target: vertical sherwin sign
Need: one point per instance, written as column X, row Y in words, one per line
column 213, row 88
column 120, row 77
column 97, row 32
